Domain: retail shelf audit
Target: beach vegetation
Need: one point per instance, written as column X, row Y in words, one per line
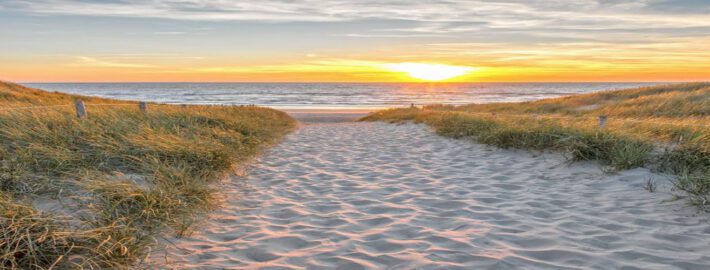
column 666, row 128
column 116, row 180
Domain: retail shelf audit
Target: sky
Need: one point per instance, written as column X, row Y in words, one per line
column 353, row 41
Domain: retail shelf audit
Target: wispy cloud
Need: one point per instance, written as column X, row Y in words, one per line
column 687, row 52
column 282, row 36
column 95, row 62
column 427, row 17
column 494, row 13
column 169, row 33
column 358, row 35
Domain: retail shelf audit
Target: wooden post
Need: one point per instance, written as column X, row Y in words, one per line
column 602, row 121
column 80, row 109
column 143, row 106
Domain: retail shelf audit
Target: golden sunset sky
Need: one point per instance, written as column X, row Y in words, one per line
column 353, row 41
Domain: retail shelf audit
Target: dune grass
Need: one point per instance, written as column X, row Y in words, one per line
column 123, row 177
column 662, row 127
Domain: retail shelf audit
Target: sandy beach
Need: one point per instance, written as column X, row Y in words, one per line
column 347, row 135
column 344, row 195
column 320, row 116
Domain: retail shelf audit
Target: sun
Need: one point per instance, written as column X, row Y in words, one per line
column 429, row 72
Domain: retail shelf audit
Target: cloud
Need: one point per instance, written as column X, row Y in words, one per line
column 322, row 65
column 419, row 18
column 674, row 6
column 686, row 52
column 358, row 35
column 94, row 62
column 522, row 32
column 169, row 33
column 494, row 13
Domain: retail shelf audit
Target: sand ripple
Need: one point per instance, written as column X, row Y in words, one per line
column 378, row 196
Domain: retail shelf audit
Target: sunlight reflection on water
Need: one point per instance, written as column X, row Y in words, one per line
column 330, row 95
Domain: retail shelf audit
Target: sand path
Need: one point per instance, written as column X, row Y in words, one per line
column 380, row 196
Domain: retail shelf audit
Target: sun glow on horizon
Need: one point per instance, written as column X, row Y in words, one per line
column 429, row 72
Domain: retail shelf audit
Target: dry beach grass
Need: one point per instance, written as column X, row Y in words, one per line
column 664, row 127
column 95, row 193
column 116, row 180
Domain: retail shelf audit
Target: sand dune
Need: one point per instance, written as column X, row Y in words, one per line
column 379, row 196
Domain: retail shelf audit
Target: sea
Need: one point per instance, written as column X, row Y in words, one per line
column 331, row 95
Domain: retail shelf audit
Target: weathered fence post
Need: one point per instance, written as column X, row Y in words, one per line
column 143, row 106
column 602, row 121
column 80, row 109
